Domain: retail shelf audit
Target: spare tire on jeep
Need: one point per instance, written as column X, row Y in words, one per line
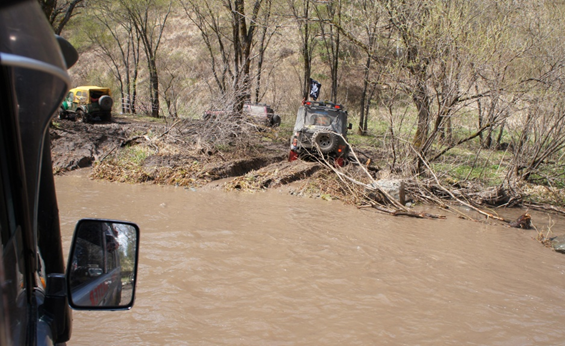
column 106, row 102
column 276, row 121
column 326, row 141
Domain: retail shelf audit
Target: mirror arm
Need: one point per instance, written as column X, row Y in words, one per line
column 55, row 307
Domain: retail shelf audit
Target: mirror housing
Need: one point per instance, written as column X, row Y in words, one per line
column 102, row 267
column 70, row 54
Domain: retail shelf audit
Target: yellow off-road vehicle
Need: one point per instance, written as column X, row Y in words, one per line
column 88, row 104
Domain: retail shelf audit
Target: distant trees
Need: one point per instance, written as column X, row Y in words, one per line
column 367, row 16
column 302, row 13
column 266, row 33
column 149, row 18
column 436, row 73
column 119, row 44
column 331, row 41
column 537, row 93
column 119, row 31
column 452, row 59
column 229, row 29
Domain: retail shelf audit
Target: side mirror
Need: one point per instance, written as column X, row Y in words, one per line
column 70, row 54
column 102, row 266
column 350, row 126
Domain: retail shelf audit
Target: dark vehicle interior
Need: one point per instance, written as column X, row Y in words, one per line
column 95, row 95
column 35, row 295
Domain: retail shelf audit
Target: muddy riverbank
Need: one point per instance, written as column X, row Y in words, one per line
column 145, row 150
column 138, row 150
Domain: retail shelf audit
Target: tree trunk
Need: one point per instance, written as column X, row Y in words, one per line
column 154, row 81
column 422, row 102
column 307, row 64
column 364, row 105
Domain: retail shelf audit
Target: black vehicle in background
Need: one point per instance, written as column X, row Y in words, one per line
column 320, row 128
column 36, row 289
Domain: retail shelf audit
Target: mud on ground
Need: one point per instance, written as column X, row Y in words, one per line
column 141, row 151
column 144, row 150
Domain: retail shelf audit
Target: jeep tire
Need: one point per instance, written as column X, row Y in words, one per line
column 105, row 102
column 276, row 121
column 82, row 116
column 327, row 142
column 62, row 114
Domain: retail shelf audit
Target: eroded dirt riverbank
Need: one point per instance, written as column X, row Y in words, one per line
column 137, row 150
column 169, row 153
column 270, row 269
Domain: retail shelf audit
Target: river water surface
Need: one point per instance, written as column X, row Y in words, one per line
column 271, row 269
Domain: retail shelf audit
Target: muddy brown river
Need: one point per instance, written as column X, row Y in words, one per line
column 272, row 269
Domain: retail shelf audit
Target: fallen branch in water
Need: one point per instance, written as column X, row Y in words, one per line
column 421, row 215
column 353, row 185
column 372, row 186
column 545, row 207
column 466, row 204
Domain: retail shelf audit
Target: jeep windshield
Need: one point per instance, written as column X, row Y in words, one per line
column 318, row 118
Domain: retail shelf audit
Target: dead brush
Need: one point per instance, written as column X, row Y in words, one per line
column 251, row 182
column 328, row 186
column 544, row 238
column 116, row 173
column 225, row 129
column 359, row 184
column 116, row 169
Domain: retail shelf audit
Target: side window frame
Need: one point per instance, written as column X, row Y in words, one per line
column 16, row 288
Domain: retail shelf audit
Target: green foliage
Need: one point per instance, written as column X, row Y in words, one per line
column 133, row 155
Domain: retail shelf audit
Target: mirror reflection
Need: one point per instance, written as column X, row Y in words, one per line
column 102, row 267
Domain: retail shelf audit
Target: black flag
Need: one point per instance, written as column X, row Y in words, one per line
column 315, row 89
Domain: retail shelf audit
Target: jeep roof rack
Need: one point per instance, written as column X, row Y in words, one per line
column 260, row 104
column 324, row 104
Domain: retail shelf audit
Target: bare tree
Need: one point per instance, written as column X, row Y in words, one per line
column 331, row 39
column 229, row 33
column 149, row 18
column 366, row 16
column 175, row 81
column 538, row 136
column 266, row 34
column 119, row 45
column 59, row 13
column 301, row 10
column 243, row 33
